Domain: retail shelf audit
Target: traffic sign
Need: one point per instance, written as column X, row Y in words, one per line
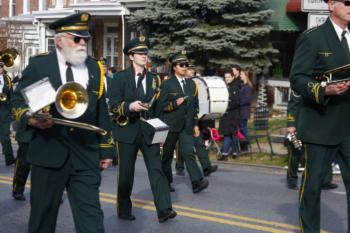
column 313, row 5
column 316, row 19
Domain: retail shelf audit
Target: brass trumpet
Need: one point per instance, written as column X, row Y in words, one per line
column 3, row 97
column 326, row 78
column 11, row 59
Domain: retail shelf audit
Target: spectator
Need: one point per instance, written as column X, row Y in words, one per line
column 245, row 98
column 229, row 122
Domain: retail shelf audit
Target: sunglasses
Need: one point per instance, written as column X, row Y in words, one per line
column 183, row 64
column 346, row 2
column 77, row 39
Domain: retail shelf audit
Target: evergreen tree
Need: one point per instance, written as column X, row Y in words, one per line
column 216, row 33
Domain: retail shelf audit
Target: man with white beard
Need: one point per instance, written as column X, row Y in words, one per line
column 63, row 157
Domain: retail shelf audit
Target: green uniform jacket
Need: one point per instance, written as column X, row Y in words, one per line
column 293, row 109
column 183, row 117
column 322, row 119
column 122, row 92
column 5, row 107
column 51, row 147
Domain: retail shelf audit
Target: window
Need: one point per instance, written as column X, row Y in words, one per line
column 111, row 45
column 12, row 6
column 50, row 41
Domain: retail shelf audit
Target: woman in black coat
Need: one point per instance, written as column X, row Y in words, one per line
column 229, row 122
column 245, row 100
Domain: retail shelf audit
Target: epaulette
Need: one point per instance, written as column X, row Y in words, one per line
column 310, row 30
column 41, row 54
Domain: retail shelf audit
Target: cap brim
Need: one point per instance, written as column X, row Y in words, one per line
column 141, row 50
column 180, row 60
column 80, row 33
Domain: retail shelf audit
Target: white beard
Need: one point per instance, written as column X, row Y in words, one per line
column 75, row 56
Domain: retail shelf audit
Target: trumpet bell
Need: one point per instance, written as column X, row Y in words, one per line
column 71, row 100
column 11, row 59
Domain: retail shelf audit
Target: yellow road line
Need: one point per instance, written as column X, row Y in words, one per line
column 221, row 214
column 149, row 205
column 209, row 219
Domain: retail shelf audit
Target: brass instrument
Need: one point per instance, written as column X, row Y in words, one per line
column 71, row 102
column 11, row 59
column 297, row 144
column 123, row 120
column 326, row 77
column 3, row 97
column 118, row 118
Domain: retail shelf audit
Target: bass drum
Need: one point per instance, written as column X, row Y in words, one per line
column 212, row 95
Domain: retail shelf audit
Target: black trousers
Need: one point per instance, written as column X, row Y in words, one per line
column 159, row 185
column 82, row 188
column 22, row 169
column 318, row 159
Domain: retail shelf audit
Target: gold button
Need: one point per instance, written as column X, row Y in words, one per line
column 71, row 129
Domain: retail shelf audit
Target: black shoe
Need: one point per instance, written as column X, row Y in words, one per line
column 292, row 186
column 18, row 197
column 329, row 186
column 234, row 156
column 223, row 158
column 10, row 162
column 198, row 186
column 171, row 189
column 180, row 172
column 127, row 217
column 210, row 170
column 164, row 215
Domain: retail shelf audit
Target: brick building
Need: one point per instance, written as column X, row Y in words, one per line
column 24, row 25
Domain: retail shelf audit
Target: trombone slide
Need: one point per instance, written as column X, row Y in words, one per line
column 70, row 123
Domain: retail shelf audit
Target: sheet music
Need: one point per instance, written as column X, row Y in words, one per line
column 39, row 95
column 161, row 130
column 157, row 123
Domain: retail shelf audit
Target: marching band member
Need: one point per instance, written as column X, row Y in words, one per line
column 63, row 157
column 5, row 115
column 129, row 92
column 179, row 102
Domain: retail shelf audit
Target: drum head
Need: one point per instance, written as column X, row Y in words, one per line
column 212, row 95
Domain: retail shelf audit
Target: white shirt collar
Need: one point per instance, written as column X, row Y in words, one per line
column 339, row 30
column 180, row 79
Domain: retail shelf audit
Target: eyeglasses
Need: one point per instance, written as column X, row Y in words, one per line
column 183, row 64
column 346, row 2
column 77, row 39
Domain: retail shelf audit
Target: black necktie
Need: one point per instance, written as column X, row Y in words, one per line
column 139, row 87
column 344, row 43
column 69, row 73
column 183, row 86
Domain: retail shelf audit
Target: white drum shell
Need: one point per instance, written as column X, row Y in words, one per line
column 213, row 96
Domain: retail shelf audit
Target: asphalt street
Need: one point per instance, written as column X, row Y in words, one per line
column 239, row 199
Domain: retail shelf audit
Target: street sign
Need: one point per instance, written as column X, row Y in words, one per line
column 316, row 19
column 313, row 5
